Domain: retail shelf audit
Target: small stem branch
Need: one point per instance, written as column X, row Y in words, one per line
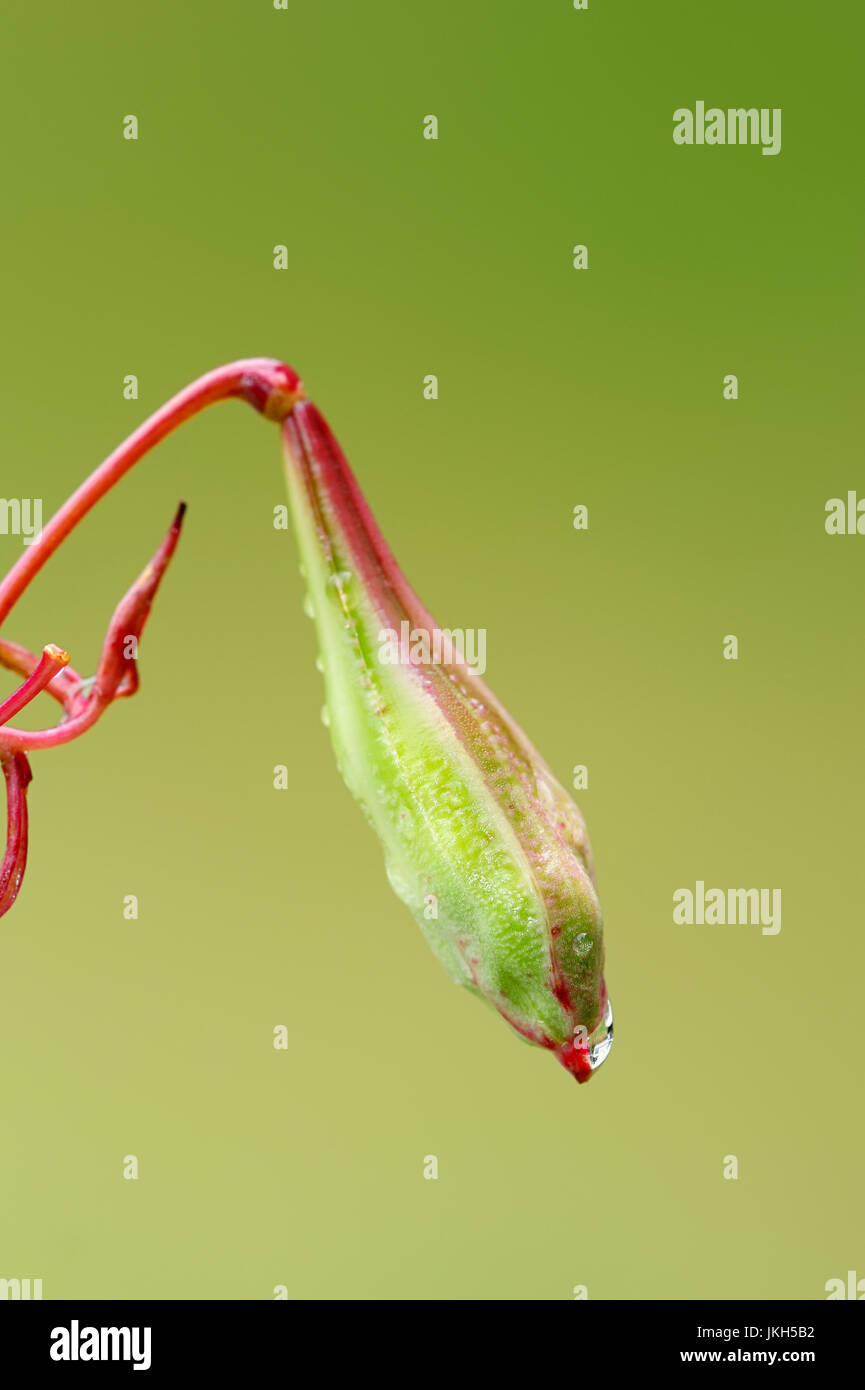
column 24, row 662
column 53, row 660
column 116, row 674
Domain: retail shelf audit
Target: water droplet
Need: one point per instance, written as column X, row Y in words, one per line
column 319, row 664
column 601, row 1040
column 325, row 716
column 307, row 606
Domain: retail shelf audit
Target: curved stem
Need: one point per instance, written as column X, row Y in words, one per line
column 14, row 740
column 269, row 386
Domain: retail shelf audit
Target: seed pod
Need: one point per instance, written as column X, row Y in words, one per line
column 481, row 842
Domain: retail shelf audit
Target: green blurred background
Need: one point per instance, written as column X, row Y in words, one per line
column 257, row 907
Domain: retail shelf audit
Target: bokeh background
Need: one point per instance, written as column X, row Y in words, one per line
column 153, row 1037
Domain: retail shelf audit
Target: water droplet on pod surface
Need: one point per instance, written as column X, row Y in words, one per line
column 600, row 1041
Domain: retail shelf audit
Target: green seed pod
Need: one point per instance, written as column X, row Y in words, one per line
column 481, row 842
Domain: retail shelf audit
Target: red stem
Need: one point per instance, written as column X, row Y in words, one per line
column 53, row 660
column 270, row 386
column 16, row 771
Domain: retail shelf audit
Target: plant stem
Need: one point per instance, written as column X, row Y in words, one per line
column 269, row 386
column 53, row 660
